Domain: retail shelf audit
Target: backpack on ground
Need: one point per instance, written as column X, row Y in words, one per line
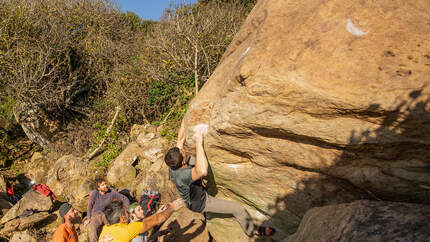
column 150, row 201
column 44, row 189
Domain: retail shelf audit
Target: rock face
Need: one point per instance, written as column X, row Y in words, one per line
column 317, row 103
column 365, row 221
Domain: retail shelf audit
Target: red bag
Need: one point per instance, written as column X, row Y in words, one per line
column 44, row 189
column 10, row 191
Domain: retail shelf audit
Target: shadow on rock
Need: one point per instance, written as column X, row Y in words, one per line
column 387, row 166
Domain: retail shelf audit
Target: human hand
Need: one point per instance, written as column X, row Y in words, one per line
column 162, row 209
column 200, row 130
column 86, row 222
column 177, row 204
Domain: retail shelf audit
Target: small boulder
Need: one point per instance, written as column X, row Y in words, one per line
column 5, row 205
column 23, row 223
column 122, row 173
column 30, row 200
column 71, row 173
column 23, row 236
column 185, row 226
column 145, row 153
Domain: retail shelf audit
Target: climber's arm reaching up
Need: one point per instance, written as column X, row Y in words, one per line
column 201, row 168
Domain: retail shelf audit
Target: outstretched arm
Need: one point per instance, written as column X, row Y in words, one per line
column 201, row 168
column 159, row 218
column 181, row 136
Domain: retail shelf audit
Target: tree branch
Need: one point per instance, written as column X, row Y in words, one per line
column 98, row 149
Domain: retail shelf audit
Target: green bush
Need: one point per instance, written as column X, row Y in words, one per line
column 79, row 59
column 6, row 109
column 111, row 152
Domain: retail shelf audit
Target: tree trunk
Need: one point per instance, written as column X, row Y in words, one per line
column 31, row 118
column 196, row 75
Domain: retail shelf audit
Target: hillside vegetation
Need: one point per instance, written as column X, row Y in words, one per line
column 76, row 61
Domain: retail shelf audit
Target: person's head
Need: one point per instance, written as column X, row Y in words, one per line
column 68, row 213
column 175, row 158
column 101, row 185
column 136, row 211
column 116, row 213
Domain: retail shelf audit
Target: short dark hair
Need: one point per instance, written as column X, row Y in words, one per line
column 99, row 181
column 113, row 211
column 173, row 158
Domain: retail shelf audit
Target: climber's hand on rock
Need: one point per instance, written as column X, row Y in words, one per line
column 198, row 136
column 199, row 131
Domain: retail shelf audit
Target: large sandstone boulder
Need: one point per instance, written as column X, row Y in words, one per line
column 365, row 221
column 317, row 103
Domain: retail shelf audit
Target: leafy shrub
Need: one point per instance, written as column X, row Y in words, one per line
column 79, row 59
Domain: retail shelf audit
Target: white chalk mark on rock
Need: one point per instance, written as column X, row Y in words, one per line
column 246, row 52
column 354, row 30
column 234, row 167
column 202, row 128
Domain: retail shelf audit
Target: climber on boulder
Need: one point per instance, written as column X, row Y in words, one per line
column 187, row 178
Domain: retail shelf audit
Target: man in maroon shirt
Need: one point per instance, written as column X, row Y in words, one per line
column 99, row 199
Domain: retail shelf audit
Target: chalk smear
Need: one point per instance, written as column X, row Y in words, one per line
column 201, row 128
column 234, row 167
column 350, row 27
column 246, row 52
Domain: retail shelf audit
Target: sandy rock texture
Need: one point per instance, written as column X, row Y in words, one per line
column 320, row 102
column 365, row 221
column 71, row 180
column 141, row 165
column 23, row 236
column 184, row 226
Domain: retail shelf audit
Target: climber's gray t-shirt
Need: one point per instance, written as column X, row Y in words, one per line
column 192, row 192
